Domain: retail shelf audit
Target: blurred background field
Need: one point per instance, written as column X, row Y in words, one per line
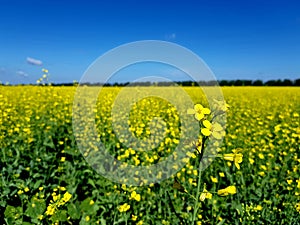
column 40, row 163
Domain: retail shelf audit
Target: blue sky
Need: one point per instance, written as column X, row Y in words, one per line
column 237, row 39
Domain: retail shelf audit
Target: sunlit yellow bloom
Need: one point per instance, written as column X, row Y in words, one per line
column 199, row 111
column 226, row 191
column 205, row 194
column 123, row 208
column 214, row 129
column 67, row 197
column 141, row 222
column 298, row 207
column 135, row 196
column 235, row 157
column 133, row 217
column 50, row 210
column 261, row 156
column 214, row 179
column 221, row 174
column 258, row 208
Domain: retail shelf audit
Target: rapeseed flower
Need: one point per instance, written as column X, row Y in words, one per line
column 123, row 208
column 199, row 111
column 214, row 129
column 235, row 157
column 135, row 196
column 226, row 191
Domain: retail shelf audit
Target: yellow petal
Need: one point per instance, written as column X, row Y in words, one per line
column 237, row 165
column 206, row 111
column 207, row 124
column 199, row 116
column 217, row 127
column 217, row 135
column 231, row 189
column 229, row 157
column 198, row 107
column 205, row 132
column 222, row 192
column 190, row 111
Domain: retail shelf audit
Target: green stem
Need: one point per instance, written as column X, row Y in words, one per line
column 196, row 207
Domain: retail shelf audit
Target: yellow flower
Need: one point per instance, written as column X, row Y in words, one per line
column 135, row 196
column 226, row 191
column 133, row 217
column 123, row 208
column 67, row 197
column 298, row 207
column 26, row 189
column 261, row 156
column 214, row 179
column 62, row 159
column 20, row 192
column 214, row 129
column 221, row 174
column 87, row 218
column 92, row 202
column 40, row 217
column 236, row 157
column 261, row 173
column 258, row 208
column 221, row 105
column 199, row 111
column 251, row 161
column 140, row 222
column 205, row 194
column 50, row 210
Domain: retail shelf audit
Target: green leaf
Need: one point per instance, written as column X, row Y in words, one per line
column 37, row 184
column 35, row 208
column 60, row 216
column 103, row 221
column 73, row 211
column 13, row 215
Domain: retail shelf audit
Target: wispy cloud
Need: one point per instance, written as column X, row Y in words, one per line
column 170, row 37
column 22, row 73
column 35, row 62
column 2, row 70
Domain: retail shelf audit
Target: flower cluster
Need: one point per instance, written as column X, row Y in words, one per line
column 57, row 202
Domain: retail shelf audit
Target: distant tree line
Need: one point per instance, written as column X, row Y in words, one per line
column 285, row 82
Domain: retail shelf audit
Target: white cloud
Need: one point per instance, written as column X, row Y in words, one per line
column 22, row 73
column 33, row 61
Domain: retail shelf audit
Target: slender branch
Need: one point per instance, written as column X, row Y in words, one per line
column 196, row 207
